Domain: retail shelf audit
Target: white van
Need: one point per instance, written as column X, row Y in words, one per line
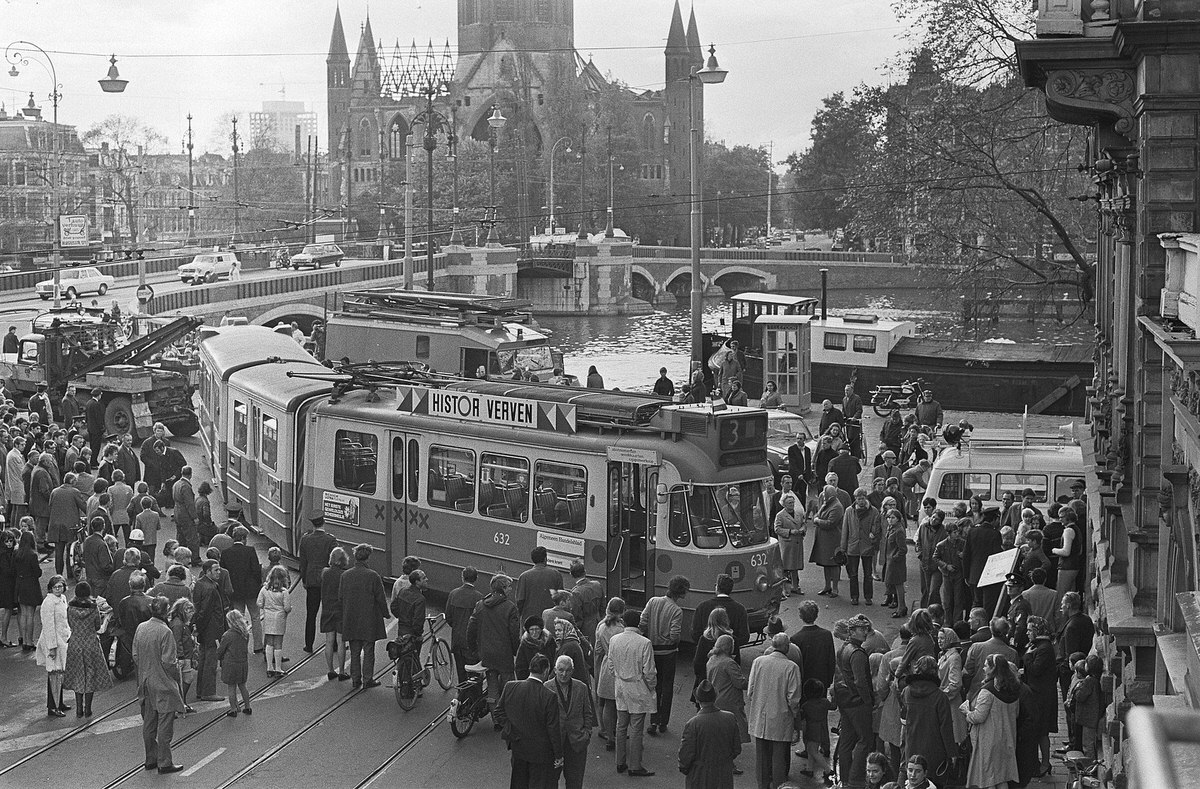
column 208, row 267
column 994, row 462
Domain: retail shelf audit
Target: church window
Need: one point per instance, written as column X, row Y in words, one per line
column 667, row 131
column 541, row 99
column 658, row 172
column 466, row 101
column 364, row 138
column 648, row 132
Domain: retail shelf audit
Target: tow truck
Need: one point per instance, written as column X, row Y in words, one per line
column 75, row 350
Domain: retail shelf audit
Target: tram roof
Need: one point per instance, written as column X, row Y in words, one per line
column 232, row 348
column 271, row 384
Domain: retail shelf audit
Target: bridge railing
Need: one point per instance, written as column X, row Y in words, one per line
column 767, row 255
column 203, row 295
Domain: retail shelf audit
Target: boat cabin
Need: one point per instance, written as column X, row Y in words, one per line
column 857, row 339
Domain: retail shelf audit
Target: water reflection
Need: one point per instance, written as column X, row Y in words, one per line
column 628, row 351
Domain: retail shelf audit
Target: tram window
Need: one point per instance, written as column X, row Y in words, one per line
column 451, row 478
column 269, row 442
column 413, row 467
column 504, row 486
column 398, row 468
column 240, row 426
column 1015, row 483
column 835, row 341
column 677, row 524
column 422, row 346
column 864, row 343
column 559, row 495
column 355, row 460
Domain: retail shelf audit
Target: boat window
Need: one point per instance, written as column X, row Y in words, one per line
column 956, row 485
column 398, row 469
column 864, row 343
column 536, row 357
column 451, row 478
column 240, row 426
column 835, row 341
column 677, row 522
column 733, row 513
column 503, row 487
column 422, row 346
column 559, row 495
column 1015, row 483
column 269, row 442
column 355, row 460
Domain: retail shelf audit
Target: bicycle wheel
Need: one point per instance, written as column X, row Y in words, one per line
column 443, row 665
column 463, row 721
column 406, row 689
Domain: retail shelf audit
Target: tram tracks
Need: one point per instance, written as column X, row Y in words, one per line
column 215, row 720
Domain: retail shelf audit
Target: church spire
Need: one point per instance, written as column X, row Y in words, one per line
column 337, row 42
column 695, row 51
column 676, row 39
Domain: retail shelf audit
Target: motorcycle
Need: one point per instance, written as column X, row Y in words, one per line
column 281, row 259
column 885, row 398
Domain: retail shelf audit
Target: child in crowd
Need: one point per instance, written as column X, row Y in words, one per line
column 274, row 606
column 1085, row 702
column 234, row 654
column 814, row 711
column 1074, row 741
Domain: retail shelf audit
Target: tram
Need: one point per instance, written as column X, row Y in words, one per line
column 470, row 472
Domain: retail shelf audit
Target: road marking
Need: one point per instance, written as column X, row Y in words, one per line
column 191, row 770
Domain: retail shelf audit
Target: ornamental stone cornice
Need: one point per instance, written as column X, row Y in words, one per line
column 1089, row 96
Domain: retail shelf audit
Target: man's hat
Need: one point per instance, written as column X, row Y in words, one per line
column 991, row 512
column 318, row 522
column 1078, row 485
column 705, row 692
column 890, row 454
column 137, row 534
column 859, row 621
column 1017, row 578
column 535, row 621
column 234, row 507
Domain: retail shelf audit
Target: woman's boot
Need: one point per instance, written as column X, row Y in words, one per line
column 78, row 705
column 87, row 704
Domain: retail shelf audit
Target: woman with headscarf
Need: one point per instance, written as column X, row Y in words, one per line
column 825, row 453
column 729, row 681
column 568, row 643
column 1041, row 675
column 86, row 670
column 53, row 642
column 606, row 692
column 927, row 719
column 895, row 572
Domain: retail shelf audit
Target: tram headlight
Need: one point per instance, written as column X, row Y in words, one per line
column 762, row 584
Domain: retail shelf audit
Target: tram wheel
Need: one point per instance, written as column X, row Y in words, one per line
column 443, row 665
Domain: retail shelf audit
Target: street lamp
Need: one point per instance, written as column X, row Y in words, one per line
column 495, row 123
column 436, row 83
column 711, row 74
column 609, row 231
column 553, row 149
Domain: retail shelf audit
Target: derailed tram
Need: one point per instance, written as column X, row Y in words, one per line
column 474, row 472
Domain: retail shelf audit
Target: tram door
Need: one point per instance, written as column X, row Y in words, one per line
column 631, row 523
column 403, row 517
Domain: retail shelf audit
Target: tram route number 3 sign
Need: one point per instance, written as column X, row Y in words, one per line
column 340, row 508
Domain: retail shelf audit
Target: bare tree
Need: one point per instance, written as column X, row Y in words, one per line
column 127, row 139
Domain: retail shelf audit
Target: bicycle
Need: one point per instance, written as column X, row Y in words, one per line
column 471, row 704
column 1082, row 772
column 410, row 675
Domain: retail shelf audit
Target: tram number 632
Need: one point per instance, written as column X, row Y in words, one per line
column 758, row 560
column 501, row 538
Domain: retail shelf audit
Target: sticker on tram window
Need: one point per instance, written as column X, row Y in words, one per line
column 340, row 508
column 743, row 432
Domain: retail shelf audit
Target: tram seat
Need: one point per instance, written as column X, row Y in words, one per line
column 569, row 512
column 356, row 462
column 710, row 536
column 458, row 494
column 544, row 502
column 436, row 480
column 487, row 494
column 516, row 498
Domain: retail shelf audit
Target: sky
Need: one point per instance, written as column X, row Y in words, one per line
column 213, row 57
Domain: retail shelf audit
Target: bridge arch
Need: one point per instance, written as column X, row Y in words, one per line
column 643, row 285
column 301, row 312
column 744, row 278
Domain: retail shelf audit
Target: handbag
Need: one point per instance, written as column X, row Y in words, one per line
column 839, row 557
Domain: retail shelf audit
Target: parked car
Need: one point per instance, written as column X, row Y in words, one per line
column 783, row 428
column 208, row 267
column 74, row 282
column 317, row 255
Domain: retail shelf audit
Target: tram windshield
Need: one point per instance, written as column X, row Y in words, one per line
column 734, row 514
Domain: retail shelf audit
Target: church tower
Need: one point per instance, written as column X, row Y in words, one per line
column 337, row 81
column 527, row 25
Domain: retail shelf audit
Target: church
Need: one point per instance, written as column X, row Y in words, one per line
column 517, row 56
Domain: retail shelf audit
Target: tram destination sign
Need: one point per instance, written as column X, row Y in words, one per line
column 487, row 409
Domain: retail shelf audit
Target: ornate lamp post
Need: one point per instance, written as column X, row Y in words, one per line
column 432, row 82
column 711, row 74
column 553, row 149
column 495, row 123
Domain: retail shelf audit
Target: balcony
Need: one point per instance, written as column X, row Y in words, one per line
column 1091, row 17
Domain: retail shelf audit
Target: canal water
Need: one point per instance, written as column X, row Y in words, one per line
column 629, row 350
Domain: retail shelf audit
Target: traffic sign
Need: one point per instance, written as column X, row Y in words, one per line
column 73, row 230
column 145, row 293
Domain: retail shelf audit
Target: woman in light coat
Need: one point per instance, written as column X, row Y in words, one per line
column 730, row 682
column 274, row 605
column 950, row 680
column 53, row 642
column 606, row 692
column 790, row 529
column 993, row 719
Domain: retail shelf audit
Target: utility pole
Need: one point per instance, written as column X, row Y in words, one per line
column 583, row 184
column 310, row 186
column 191, row 236
column 237, row 207
column 311, row 234
column 770, row 186
column 408, row 212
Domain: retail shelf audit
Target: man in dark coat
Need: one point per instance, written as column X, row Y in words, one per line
column 815, row 644
column 209, row 624
column 12, row 343
column 983, row 540
column 1075, row 634
column 42, row 482
column 245, row 575
column 800, row 467
column 129, row 613
column 576, row 716
column 855, row 697
column 977, row 655
column 40, row 404
column 152, row 458
column 829, row 415
column 67, row 507
column 709, row 743
column 97, row 559
column 847, row 469
column 738, row 619
column 535, row 585
column 528, row 715
column 460, row 604
column 127, row 460
column 364, row 607
column 852, row 411
column 315, row 548
column 94, row 414
column 494, row 634
column 187, row 520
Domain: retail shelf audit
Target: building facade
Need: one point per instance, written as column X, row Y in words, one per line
column 518, row 55
column 282, row 126
column 1128, row 71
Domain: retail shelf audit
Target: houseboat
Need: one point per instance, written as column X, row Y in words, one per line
column 869, row 351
